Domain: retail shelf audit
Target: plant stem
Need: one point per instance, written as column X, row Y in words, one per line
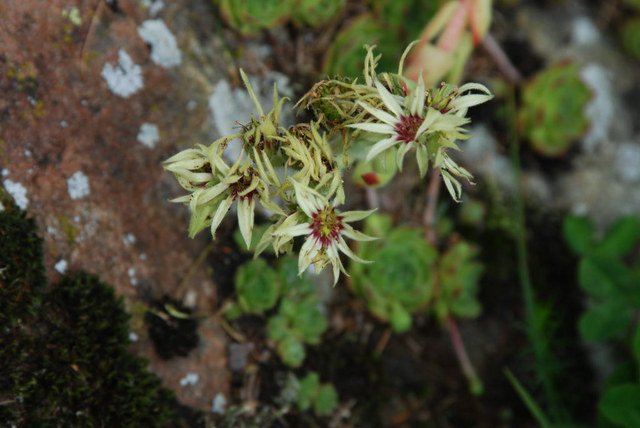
column 536, row 336
column 429, row 220
column 475, row 384
column 373, row 199
column 501, row 60
column 429, row 217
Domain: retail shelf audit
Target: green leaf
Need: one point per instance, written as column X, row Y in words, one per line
column 308, row 390
column 309, row 320
column 346, row 55
column 621, row 238
column 597, row 277
column 636, row 346
column 293, row 285
column 315, row 13
column 621, row 405
column 233, row 311
column 277, row 328
column 605, row 321
column 326, row 400
column 578, row 232
column 291, row 351
column 400, row 318
column 256, row 286
column 459, row 273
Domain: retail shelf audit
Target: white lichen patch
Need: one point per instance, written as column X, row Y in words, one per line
column 129, row 239
column 133, row 279
column 61, row 266
column 584, row 31
column 17, row 191
column 218, row 404
column 627, row 162
column 133, row 336
column 190, row 379
column 164, row 48
column 148, row 135
column 154, row 6
column 78, row 185
column 124, row 78
column 601, row 109
column 73, row 15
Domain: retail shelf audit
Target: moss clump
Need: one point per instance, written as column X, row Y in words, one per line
column 63, row 353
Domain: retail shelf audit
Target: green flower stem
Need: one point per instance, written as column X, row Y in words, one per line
column 475, row 384
column 536, row 336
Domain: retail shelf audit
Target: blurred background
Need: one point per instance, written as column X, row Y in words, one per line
column 523, row 312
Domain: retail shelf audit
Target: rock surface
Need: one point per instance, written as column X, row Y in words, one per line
column 88, row 113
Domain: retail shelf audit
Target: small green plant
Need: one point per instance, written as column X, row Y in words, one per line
column 345, row 55
column 609, row 272
column 308, row 393
column 257, row 287
column 315, row 13
column 458, row 276
column 299, row 319
column 408, row 276
column 249, row 17
column 400, row 280
column 322, row 397
column 552, row 114
column 603, row 274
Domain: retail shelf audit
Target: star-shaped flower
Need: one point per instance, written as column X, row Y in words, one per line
column 325, row 228
column 215, row 186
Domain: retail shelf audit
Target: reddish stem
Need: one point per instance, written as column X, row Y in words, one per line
column 475, row 384
column 429, row 218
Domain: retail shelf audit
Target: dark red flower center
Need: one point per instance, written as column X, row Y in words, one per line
column 240, row 186
column 407, row 128
column 326, row 225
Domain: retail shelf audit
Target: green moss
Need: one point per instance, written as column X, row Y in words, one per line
column 63, row 353
column 21, row 270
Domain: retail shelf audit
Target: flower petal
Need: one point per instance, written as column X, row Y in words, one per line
column 388, row 99
column 342, row 245
column 221, row 211
column 212, row 193
column 246, row 214
column 378, row 128
column 380, row 114
column 308, row 251
column 349, row 216
column 380, row 147
column 295, row 230
column 356, row 235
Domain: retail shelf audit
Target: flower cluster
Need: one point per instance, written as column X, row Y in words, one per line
column 293, row 174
